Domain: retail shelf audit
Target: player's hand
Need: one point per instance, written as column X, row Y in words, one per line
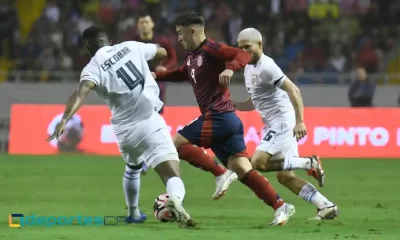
column 161, row 69
column 58, row 131
column 225, row 77
column 154, row 75
column 300, row 131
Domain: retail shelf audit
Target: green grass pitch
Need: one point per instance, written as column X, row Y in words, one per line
column 366, row 192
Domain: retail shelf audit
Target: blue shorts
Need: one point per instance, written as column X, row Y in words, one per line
column 221, row 132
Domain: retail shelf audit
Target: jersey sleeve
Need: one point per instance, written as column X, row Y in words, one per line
column 90, row 73
column 235, row 58
column 272, row 74
column 149, row 50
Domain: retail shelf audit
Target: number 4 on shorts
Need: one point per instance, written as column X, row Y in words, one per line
column 269, row 135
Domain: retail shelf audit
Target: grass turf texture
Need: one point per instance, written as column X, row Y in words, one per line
column 366, row 192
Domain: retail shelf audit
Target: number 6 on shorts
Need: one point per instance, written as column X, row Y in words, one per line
column 269, row 135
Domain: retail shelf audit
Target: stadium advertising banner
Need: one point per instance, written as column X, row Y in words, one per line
column 332, row 132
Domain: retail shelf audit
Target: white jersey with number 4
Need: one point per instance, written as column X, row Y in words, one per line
column 263, row 81
column 123, row 78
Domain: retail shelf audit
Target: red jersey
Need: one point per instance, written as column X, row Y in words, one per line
column 202, row 68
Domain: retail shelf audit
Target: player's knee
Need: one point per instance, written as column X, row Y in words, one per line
column 259, row 164
column 285, row 176
column 179, row 140
column 136, row 167
column 167, row 170
column 240, row 165
column 259, row 161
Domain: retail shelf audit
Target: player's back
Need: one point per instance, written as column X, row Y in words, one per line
column 262, row 82
column 125, row 82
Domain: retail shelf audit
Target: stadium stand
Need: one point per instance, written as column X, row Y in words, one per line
column 327, row 38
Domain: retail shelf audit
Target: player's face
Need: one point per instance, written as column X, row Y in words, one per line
column 93, row 45
column 253, row 48
column 145, row 24
column 186, row 37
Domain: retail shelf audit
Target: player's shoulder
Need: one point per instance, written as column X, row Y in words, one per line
column 266, row 61
column 103, row 53
column 267, row 64
column 210, row 44
column 134, row 44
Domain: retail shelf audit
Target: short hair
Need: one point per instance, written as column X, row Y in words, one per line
column 189, row 18
column 91, row 33
column 250, row 34
column 143, row 15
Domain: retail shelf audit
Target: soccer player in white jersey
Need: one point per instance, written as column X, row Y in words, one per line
column 120, row 75
column 278, row 100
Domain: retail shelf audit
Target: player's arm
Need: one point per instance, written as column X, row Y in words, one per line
column 244, row 106
column 171, row 59
column 295, row 97
column 176, row 75
column 161, row 53
column 150, row 50
column 235, row 58
column 75, row 101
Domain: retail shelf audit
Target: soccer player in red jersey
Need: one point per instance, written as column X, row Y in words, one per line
column 209, row 67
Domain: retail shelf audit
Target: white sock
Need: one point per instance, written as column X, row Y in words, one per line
column 311, row 195
column 175, row 187
column 293, row 163
column 131, row 185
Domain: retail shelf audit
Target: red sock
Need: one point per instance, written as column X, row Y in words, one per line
column 262, row 188
column 196, row 157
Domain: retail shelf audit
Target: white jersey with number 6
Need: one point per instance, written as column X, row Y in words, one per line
column 123, row 79
column 263, row 80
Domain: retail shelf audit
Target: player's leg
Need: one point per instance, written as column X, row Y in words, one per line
column 131, row 186
column 160, row 154
column 194, row 155
column 279, row 139
column 325, row 208
column 165, row 161
column 232, row 153
column 131, row 183
column 306, row 191
column 266, row 158
column 262, row 188
column 199, row 132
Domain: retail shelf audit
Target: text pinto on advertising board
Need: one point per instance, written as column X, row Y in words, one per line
column 332, row 132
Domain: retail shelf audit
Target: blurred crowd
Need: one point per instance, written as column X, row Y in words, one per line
column 303, row 36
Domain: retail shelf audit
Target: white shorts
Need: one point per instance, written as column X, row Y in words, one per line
column 279, row 138
column 148, row 141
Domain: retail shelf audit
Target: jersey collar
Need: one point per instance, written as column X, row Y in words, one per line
column 200, row 46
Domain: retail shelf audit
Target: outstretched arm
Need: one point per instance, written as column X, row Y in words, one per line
column 75, row 101
column 171, row 60
column 176, row 75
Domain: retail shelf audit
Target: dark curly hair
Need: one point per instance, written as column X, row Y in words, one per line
column 91, row 33
column 189, row 18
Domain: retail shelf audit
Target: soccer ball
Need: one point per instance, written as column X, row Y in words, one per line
column 161, row 211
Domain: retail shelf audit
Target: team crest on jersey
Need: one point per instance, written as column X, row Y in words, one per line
column 254, row 79
column 199, row 61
